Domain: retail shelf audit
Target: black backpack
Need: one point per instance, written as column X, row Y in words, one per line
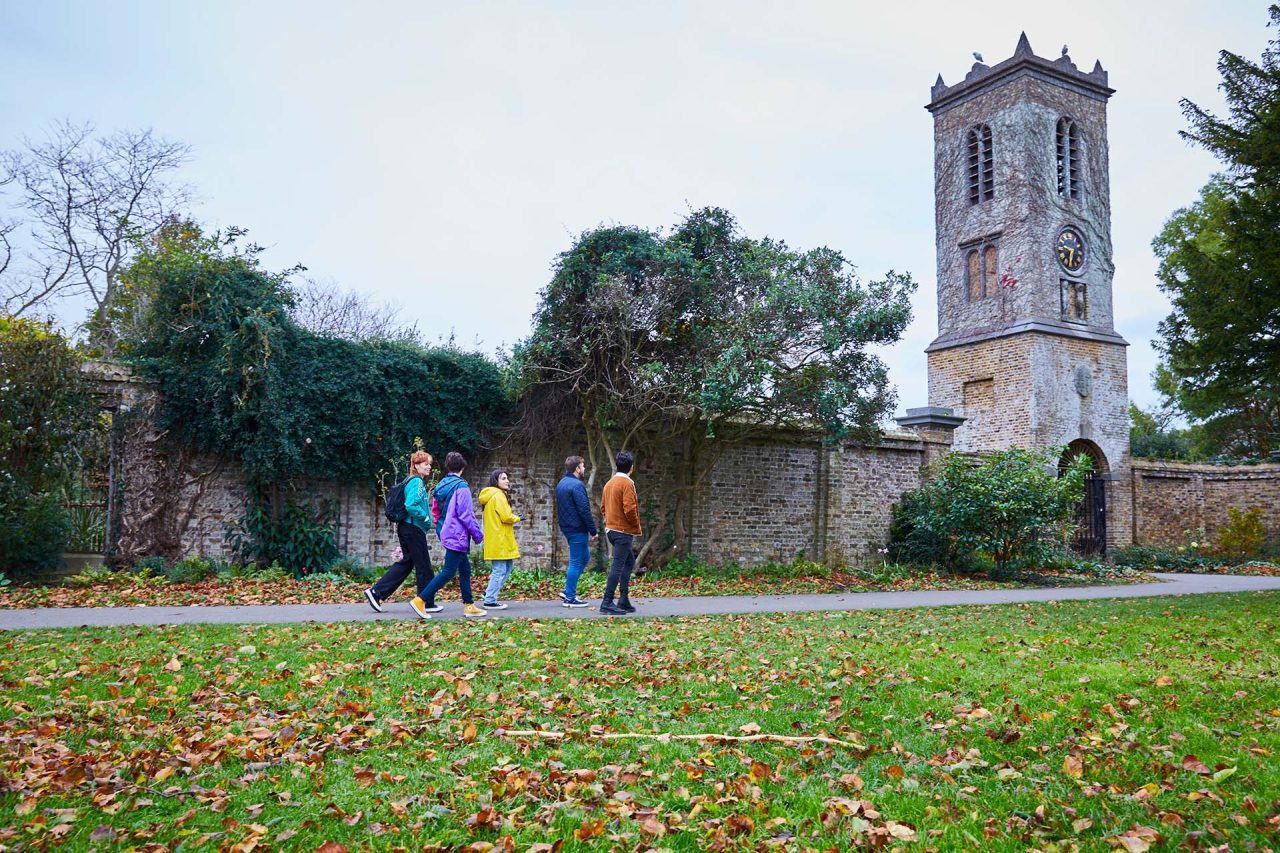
column 395, row 509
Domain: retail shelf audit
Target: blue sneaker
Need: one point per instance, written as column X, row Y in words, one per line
column 566, row 601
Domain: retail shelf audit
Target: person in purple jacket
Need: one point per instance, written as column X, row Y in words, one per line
column 458, row 527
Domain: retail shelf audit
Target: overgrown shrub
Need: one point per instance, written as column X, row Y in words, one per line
column 1011, row 506
column 153, row 566
column 45, row 406
column 92, row 576
column 240, row 379
column 190, row 570
column 33, row 532
column 299, row 537
column 355, row 569
column 1244, row 534
column 1179, row 558
column 915, row 540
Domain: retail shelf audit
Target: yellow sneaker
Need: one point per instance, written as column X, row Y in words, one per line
column 420, row 607
column 472, row 610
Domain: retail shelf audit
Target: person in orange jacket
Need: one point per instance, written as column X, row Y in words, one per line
column 621, row 527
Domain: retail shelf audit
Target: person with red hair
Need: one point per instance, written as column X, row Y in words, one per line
column 412, row 533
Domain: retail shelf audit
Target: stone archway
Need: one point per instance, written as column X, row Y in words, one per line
column 1090, row 538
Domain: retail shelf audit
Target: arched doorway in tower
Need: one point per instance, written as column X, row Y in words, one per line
column 1090, row 538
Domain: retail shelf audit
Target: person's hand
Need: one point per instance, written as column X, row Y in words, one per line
column 594, row 538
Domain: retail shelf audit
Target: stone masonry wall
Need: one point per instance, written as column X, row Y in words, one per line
column 1174, row 501
column 767, row 501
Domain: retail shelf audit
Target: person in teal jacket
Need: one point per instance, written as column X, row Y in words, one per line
column 412, row 534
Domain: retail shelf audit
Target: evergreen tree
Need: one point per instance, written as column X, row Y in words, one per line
column 1220, row 265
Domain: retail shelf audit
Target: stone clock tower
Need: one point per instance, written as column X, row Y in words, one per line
column 1027, row 352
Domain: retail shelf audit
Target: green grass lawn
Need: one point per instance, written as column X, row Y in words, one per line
column 1081, row 724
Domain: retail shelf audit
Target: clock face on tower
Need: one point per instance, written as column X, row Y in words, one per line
column 1070, row 250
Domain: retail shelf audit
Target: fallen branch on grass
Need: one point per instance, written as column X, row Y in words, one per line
column 790, row 740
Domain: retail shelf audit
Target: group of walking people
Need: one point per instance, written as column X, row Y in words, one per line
column 449, row 512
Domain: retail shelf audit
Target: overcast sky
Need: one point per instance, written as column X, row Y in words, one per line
column 439, row 155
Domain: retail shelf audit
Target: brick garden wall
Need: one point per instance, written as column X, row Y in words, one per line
column 770, row 500
column 1173, row 501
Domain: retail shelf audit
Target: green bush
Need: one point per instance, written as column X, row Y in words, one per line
column 1010, row 506
column 1244, row 534
column 45, row 407
column 913, row 541
column 153, row 566
column 33, row 532
column 328, row 578
column 272, row 572
column 354, row 569
column 300, row 538
column 887, row 572
column 1181, row 558
column 92, row 576
column 190, row 570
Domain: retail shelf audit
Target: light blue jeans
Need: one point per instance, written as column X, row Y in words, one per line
column 579, row 554
column 500, row 570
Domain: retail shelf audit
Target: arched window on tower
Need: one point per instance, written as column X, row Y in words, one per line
column 981, row 264
column 1067, row 138
column 974, row 277
column 982, row 170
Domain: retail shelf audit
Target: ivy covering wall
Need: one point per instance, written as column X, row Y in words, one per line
column 240, row 379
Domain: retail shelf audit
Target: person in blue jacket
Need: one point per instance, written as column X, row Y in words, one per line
column 573, row 513
column 412, row 533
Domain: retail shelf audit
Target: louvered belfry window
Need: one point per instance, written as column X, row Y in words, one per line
column 1068, row 146
column 982, row 168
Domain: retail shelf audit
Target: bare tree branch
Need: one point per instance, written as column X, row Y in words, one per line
column 86, row 202
column 325, row 308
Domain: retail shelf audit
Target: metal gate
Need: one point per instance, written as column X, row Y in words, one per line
column 1090, row 539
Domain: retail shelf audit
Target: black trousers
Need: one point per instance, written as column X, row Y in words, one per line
column 413, row 542
column 624, row 562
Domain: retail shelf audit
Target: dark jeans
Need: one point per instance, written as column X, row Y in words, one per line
column 413, row 542
column 455, row 563
column 624, row 561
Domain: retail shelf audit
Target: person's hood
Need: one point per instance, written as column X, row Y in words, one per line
column 446, row 487
column 489, row 493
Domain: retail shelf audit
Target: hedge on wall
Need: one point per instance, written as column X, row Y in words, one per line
column 239, row 378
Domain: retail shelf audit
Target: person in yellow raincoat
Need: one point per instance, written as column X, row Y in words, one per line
column 500, row 547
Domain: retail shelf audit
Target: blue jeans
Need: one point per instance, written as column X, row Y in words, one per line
column 579, row 554
column 455, row 563
column 500, row 570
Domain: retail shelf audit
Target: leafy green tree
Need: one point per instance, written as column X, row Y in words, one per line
column 45, row 406
column 1151, row 436
column 1013, row 507
column 1220, row 264
column 662, row 343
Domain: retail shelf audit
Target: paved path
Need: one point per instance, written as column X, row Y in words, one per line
column 1171, row 584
